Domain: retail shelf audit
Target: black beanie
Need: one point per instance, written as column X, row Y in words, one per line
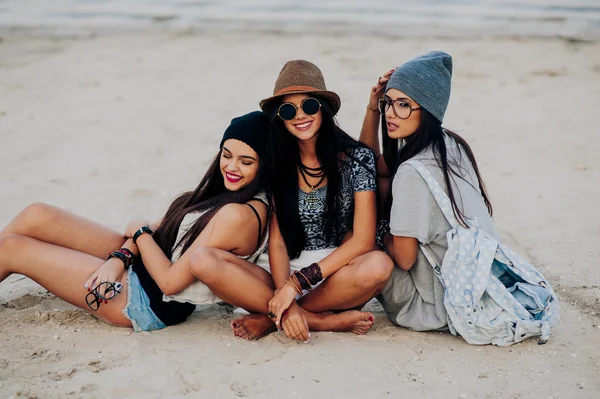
column 252, row 129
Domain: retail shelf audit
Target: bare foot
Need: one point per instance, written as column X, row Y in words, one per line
column 348, row 321
column 254, row 326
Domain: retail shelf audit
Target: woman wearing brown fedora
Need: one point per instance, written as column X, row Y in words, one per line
column 322, row 236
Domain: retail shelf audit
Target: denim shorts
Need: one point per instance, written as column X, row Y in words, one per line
column 138, row 306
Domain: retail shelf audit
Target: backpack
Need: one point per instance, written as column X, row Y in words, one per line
column 491, row 294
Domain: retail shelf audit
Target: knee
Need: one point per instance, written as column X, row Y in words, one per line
column 33, row 216
column 375, row 269
column 204, row 264
column 10, row 244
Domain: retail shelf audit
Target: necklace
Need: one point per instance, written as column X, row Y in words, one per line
column 312, row 199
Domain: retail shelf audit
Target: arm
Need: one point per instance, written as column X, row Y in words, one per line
column 279, row 260
column 362, row 241
column 403, row 250
column 363, row 236
column 111, row 270
column 219, row 233
column 369, row 134
column 414, row 217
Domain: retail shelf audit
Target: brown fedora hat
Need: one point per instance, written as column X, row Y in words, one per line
column 299, row 76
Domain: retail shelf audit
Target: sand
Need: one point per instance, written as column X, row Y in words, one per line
column 113, row 127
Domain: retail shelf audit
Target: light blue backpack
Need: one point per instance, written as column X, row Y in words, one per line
column 491, row 294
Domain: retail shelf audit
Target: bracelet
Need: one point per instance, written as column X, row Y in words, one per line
column 293, row 282
column 304, row 281
column 142, row 230
column 127, row 252
column 120, row 255
column 312, row 273
column 125, row 255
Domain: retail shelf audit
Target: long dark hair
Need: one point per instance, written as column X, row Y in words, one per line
column 333, row 146
column 210, row 196
column 430, row 133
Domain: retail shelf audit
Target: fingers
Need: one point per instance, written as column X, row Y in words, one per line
column 90, row 282
column 383, row 79
column 276, row 311
column 291, row 329
column 304, row 330
column 295, row 326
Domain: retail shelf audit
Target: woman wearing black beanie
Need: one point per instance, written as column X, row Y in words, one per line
column 67, row 254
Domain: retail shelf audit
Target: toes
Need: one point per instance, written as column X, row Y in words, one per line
column 241, row 332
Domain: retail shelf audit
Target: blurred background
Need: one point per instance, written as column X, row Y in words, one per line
column 110, row 109
column 446, row 18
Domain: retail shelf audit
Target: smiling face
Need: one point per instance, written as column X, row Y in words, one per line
column 401, row 128
column 304, row 127
column 238, row 164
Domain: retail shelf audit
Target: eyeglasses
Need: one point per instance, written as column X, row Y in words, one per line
column 94, row 299
column 287, row 111
column 401, row 108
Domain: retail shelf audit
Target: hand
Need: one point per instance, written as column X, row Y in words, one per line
column 377, row 90
column 134, row 226
column 111, row 270
column 295, row 324
column 281, row 301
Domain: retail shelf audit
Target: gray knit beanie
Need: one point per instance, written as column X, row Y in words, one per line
column 426, row 79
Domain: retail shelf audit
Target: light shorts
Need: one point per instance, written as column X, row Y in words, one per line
column 138, row 306
column 306, row 258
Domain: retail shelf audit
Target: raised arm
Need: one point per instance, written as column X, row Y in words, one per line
column 369, row 134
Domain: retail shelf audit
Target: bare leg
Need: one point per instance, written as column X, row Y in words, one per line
column 239, row 283
column 56, row 226
column 61, row 271
column 352, row 285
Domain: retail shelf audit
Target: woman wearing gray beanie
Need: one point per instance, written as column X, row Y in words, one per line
column 411, row 102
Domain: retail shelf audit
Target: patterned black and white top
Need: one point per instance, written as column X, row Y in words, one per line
column 357, row 174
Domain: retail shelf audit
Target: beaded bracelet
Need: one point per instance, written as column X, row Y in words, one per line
column 125, row 255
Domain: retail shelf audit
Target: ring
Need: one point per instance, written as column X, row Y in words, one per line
column 271, row 315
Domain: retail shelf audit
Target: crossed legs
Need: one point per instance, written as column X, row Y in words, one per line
column 248, row 286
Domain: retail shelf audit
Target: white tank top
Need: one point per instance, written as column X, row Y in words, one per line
column 198, row 293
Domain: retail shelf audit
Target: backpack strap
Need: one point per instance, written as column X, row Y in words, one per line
column 437, row 191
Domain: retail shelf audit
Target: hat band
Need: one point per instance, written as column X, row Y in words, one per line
column 289, row 89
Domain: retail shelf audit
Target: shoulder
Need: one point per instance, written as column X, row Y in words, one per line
column 407, row 179
column 359, row 161
column 362, row 155
column 234, row 214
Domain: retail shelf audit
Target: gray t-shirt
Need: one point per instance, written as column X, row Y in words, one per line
column 414, row 299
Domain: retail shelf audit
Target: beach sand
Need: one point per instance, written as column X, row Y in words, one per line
column 113, row 127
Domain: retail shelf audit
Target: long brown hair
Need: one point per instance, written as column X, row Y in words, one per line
column 210, row 196
column 429, row 133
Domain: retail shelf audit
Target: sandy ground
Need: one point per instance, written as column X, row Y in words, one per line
column 113, row 127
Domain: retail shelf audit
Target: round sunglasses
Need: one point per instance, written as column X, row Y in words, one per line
column 288, row 111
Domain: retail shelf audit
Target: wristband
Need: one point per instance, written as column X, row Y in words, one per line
column 312, row 274
column 125, row 255
column 120, row 255
column 142, row 230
